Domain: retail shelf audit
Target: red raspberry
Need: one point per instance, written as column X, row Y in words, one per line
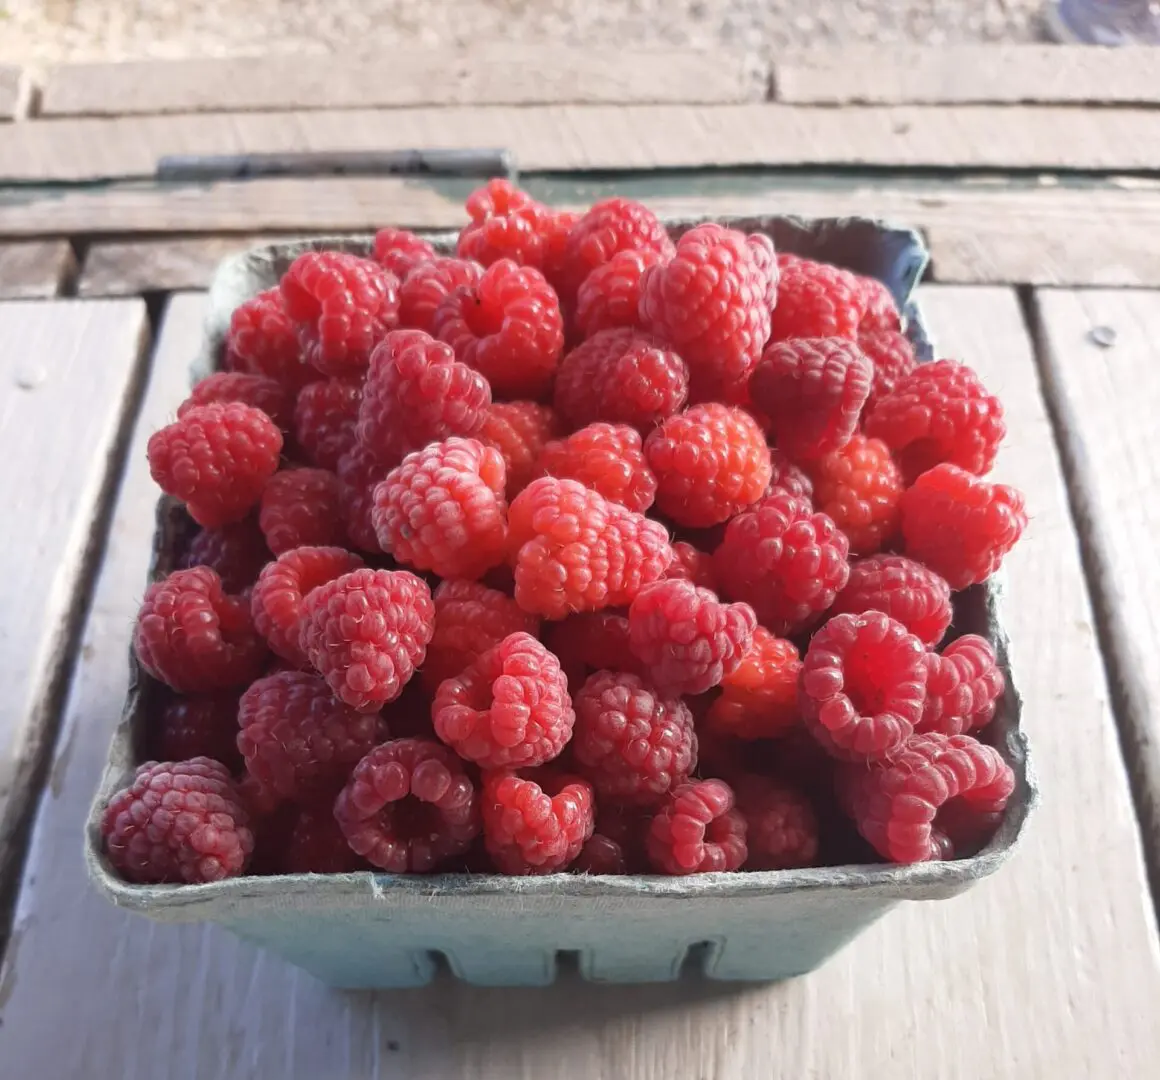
column 555, row 227
column 594, row 641
column 519, row 430
column 359, row 473
column 367, row 632
column 202, row 726
column 880, row 311
column 690, row 564
column 600, row 855
column 892, row 355
column 764, row 254
column 216, row 459
column 178, row 823
column 815, row 300
column 940, row 412
column 963, row 686
column 470, row 618
column 262, row 341
column 324, row 419
column 193, row 637
column 237, row 552
column 607, row 458
column 698, row 831
column 781, row 826
column 610, row 294
column 685, row 637
column 299, row 741
column 316, row 845
column 443, row 509
column 789, row 477
column 608, row 228
column 710, row 461
column 535, row 826
column 630, row 743
column 933, row 786
column 902, row 588
column 341, row 306
column 813, row 392
column 401, row 252
column 574, row 550
column 257, row 391
column 759, row 697
column 301, row 507
column 863, row 684
column 860, row 487
column 784, row 560
column 509, row 327
column 504, row 225
column 409, row 806
column 508, row 709
column 621, row 376
column 428, row 284
column 709, row 302
column 959, row 525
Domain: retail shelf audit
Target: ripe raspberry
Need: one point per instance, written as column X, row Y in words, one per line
column 316, row 845
column 428, row 284
column 608, row 228
column 535, row 826
column 759, row 697
column 276, row 601
column 359, row 473
column 933, row 786
column 892, row 355
column 813, row 392
column 504, row 225
column 863, row 684
column 880, row 311
column 621, row 376
column 301, row 507
column 709, row 302
column 324, row 419
column 519, row 430
column 610, row 294
column 341, row 306
column 574, row 550
column 401, row 252
column 367, row 632
column 621, row 831
column 789, row 477
column 860, row 487
column 698, row 831
column 690, row 564
column 963, row 687
column 508, row 709
column 782, row 828
column 262, row 341
column 178, row 822
column 631, row 743
column 710, row 461
column 784, row 560
column 555, row 227
column 815, row 300
column 216, row 459
column 600, row 855
column 764, row 254
column 237, row 553
column 408, row 806
column 193, row 637
column 257, row 391
column 901, row 588
column 959, row 525
column 685, row 637
column 606, row 458
column 591, row 642
column 509, row 327
column 202, row 726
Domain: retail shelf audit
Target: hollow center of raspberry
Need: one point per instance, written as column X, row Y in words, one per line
column 482, row 318
column 869, row 679
column 414, row 819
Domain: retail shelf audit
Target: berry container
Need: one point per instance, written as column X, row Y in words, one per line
column 365, row 929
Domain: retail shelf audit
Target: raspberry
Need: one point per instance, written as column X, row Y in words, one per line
column 202, row 726
column 316, row 845
column 860, row 487
column 367, row 632
column 710, row 461
column 759, row 697
column 621, row 376
column 276, row 601
column 901, row 588
column 904, row 806
column 262, row 341
column 237, row 552
column 443, row 509
column 789, row 477
column 555, row 227
column 765, row 256
column 216, row 459
column 359, row 473
column 781, row 826
column 341, row 306
column 880, row 311
column 940, row 412
column 690, row 564
column 178, row 822
column 610, row 294
column 428, row 284
column 600, row 855
column 685, row 637
column 631, row 743
column 607, row 458
column 595, row 641
column 813, row 392
column 573, row 550
column 535, row 826
column 963, row 687
column 518, row 430
column 863, row 684
column 815, row 300
column 959, row 525
column 324, row 419
column 504, row 225
column 193, row 637
column 508, row 709
column 698, row 831
column 709, row 302
column 415, row 393
column 257, row 391
column 301, row 507
column 892, row 355
column 623, row 830
column 408, row 806
column 401, row 252
column 784, row 560
column 608, row 228
column 509, row 327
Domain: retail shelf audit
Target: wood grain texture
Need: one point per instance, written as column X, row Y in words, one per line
column 1055, row 959
column 13, row 92
column 35, row 270
column 966, row 74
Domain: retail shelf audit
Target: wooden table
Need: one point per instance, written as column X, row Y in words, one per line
column 1051, row 969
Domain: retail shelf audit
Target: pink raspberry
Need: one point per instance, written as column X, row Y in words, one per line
column 301, row 507
column 359, row 473
column 691, row 564
column 608, row 228
column 324, row 419
column 610, row 294
column 880, row 311
column 236, row 552
column 698, row 831
column 504, row 225
column 401, row 252
column 428, row 285
column 591, row 642
column 789, row 477
column 201, row 726
column 901, row 588
column 963, row 687
column 257, row 391
column 761, row 247
column 781, row 826
column 535, row 825
column 892, row 355
column 262, row 340
column 607, row 458
column 815, row 300
column 316, row 845
column 519, row 430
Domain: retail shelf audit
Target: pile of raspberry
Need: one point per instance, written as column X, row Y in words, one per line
column 588, row 548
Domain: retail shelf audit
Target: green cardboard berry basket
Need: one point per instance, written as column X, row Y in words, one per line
column 370, row 929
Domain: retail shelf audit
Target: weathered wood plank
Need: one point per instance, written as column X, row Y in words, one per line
column 36, row 269
column 13, row 92
column 1055, row 960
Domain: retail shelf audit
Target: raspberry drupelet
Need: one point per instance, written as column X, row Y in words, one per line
column 519, row 430
column 759, row 697
column 536, row 824
column 205, row 725
column 236, row 552
column 901, row 588
column 892, row 355
column 698, row 830
column 428, row 285
column 963, row 687
column 401, row 251
column 781, row 825
column 611, row 226
column 301, row 507
column 692, row 564
column 880, row 312
column 607, row 458
column 359, row 473
column 860, row 488
column 816, row 300
column 262, row 340
column 257, row 391
column 325, row 416
column 790, row 477
column 610, row 294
